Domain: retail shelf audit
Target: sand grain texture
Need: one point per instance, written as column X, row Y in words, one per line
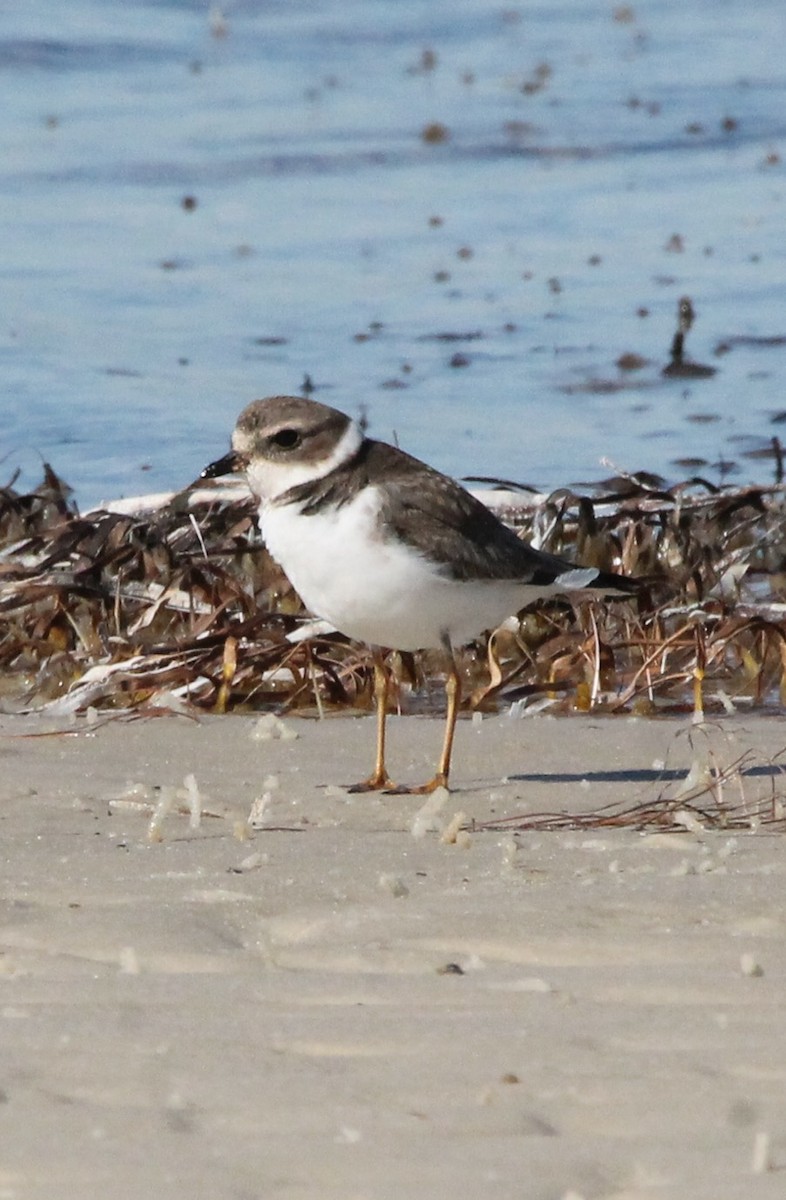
column 336, row 1009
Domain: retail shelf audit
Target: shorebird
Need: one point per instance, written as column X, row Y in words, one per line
column 386, row 549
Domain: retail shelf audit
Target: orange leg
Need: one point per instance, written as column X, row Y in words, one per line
column 378, row 780
column 453, row 693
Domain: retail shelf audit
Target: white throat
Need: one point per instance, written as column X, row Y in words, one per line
column 269, row 479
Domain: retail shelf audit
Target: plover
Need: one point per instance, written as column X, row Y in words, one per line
column 386, row 549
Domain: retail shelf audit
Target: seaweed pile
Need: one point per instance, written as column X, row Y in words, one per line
column 154, row 604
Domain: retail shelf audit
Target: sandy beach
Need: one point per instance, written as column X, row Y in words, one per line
column 540, row 247
column 333, row 1007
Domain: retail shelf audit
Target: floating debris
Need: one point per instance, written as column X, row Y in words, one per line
column 435, row 133
column 680, row 367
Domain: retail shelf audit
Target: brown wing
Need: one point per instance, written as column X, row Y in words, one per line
column 435, row 515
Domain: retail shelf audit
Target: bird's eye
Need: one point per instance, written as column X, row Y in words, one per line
column 286, row 439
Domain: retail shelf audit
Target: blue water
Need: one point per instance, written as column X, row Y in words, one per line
column 132, row 330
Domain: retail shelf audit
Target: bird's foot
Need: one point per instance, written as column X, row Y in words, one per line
column 440, row 780
column 379, row 781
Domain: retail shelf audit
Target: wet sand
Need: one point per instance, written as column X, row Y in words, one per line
column 336, row 1008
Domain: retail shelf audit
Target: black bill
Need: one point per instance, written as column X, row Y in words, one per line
column 223, row 466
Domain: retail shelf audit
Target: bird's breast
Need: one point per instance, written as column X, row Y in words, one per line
column 351, row 572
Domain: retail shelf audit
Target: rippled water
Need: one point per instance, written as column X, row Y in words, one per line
column 597, row 164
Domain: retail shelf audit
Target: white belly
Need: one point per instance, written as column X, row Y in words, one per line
column 374, row 590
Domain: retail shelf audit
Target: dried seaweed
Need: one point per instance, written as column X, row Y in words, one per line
column 173, row 602
column 709, row 797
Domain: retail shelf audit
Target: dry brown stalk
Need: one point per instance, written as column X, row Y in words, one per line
column 122, row 609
